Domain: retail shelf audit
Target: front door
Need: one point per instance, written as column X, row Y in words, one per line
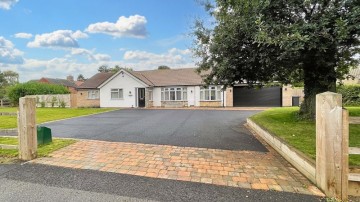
column 141, row 97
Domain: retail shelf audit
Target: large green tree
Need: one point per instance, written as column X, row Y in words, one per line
column 313, row 41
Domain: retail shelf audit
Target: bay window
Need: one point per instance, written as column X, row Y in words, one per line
column 173, row 94
column 211, row 93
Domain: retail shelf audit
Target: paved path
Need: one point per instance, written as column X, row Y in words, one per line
column 216, row 129
column 244, row 169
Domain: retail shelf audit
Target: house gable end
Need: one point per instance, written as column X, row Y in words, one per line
column 122, row 71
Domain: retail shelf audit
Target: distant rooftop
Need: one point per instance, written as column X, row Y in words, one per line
column 63, row 82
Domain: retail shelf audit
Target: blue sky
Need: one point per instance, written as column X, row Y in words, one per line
column 42, row 38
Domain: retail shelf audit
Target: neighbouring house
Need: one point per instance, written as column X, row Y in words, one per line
column 88, row 94
column 185, row 88
column 353, row 77
column 69, row 83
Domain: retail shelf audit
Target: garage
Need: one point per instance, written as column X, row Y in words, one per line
column 257, row 97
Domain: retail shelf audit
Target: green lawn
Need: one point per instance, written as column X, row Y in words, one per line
column 48, row 114
column 284, row 123
column 9, row 155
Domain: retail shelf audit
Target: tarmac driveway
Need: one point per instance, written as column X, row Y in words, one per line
column 215, row 129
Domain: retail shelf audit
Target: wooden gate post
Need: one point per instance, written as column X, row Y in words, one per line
column 332, row 145
column 27, row 128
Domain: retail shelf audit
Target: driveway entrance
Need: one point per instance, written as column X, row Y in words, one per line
column 198, row 146
column 215, row 129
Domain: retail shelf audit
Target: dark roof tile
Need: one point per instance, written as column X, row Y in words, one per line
column 96, row 80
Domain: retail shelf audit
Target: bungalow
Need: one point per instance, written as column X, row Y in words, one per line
column 176, row 88
column 159, row 88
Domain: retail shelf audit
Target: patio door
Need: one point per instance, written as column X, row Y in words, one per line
column 141, row 97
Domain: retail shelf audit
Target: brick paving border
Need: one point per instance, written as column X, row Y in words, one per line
column 244, row 169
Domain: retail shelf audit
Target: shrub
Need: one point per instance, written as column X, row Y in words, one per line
column 53, row 101
column 350, row 94
column 42, row 104
column 62, row 104
column 34, row 88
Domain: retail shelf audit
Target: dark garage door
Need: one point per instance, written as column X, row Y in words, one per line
column 252, row 97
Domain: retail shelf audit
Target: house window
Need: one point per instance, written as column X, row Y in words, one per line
column 173, row 94
column 93, row 94
column 116, row 94
column 211, row 93
column 150, row 95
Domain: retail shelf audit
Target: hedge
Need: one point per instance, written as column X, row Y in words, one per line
column 350, row 94
column 34, row 88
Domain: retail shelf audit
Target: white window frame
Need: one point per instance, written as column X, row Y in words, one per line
column 166, row 93
column 208, row 91
column 151, row 94
column 93, row 95
column 117, row 90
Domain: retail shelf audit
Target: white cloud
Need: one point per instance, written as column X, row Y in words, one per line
column 173, row 54
column 54, row 68
column 6, row 4
column 90, row 54
column 79, row 35
column 57, row 39
column 174, row 58
column 8, row 53
column 102, row 57
column 70, row 65
column 133, row 26
column 23, row 35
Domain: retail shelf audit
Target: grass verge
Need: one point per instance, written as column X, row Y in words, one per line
column 10, row 155
column 284, row 123
column 49, row 114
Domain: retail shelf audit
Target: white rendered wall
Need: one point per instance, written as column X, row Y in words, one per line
column 123, row 81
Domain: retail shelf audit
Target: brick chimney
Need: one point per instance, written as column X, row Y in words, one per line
column 70, row 78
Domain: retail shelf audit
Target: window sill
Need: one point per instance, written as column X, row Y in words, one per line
column 117, row 99
column 173, row 100
column 210, row 100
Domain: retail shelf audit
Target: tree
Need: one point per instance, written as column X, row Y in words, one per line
column 2, row 85
column 163, row 67
column 115, row 69
column 103, row 68
column 129, row 69
column 2, row 79
column 11, row 77
column 280, row 40
column 7, row 78
column 80, row 78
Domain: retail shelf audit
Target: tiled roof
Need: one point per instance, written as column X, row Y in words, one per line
column 96, row 80
column 78, row 83
column 169, row 77
column 63, row 82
